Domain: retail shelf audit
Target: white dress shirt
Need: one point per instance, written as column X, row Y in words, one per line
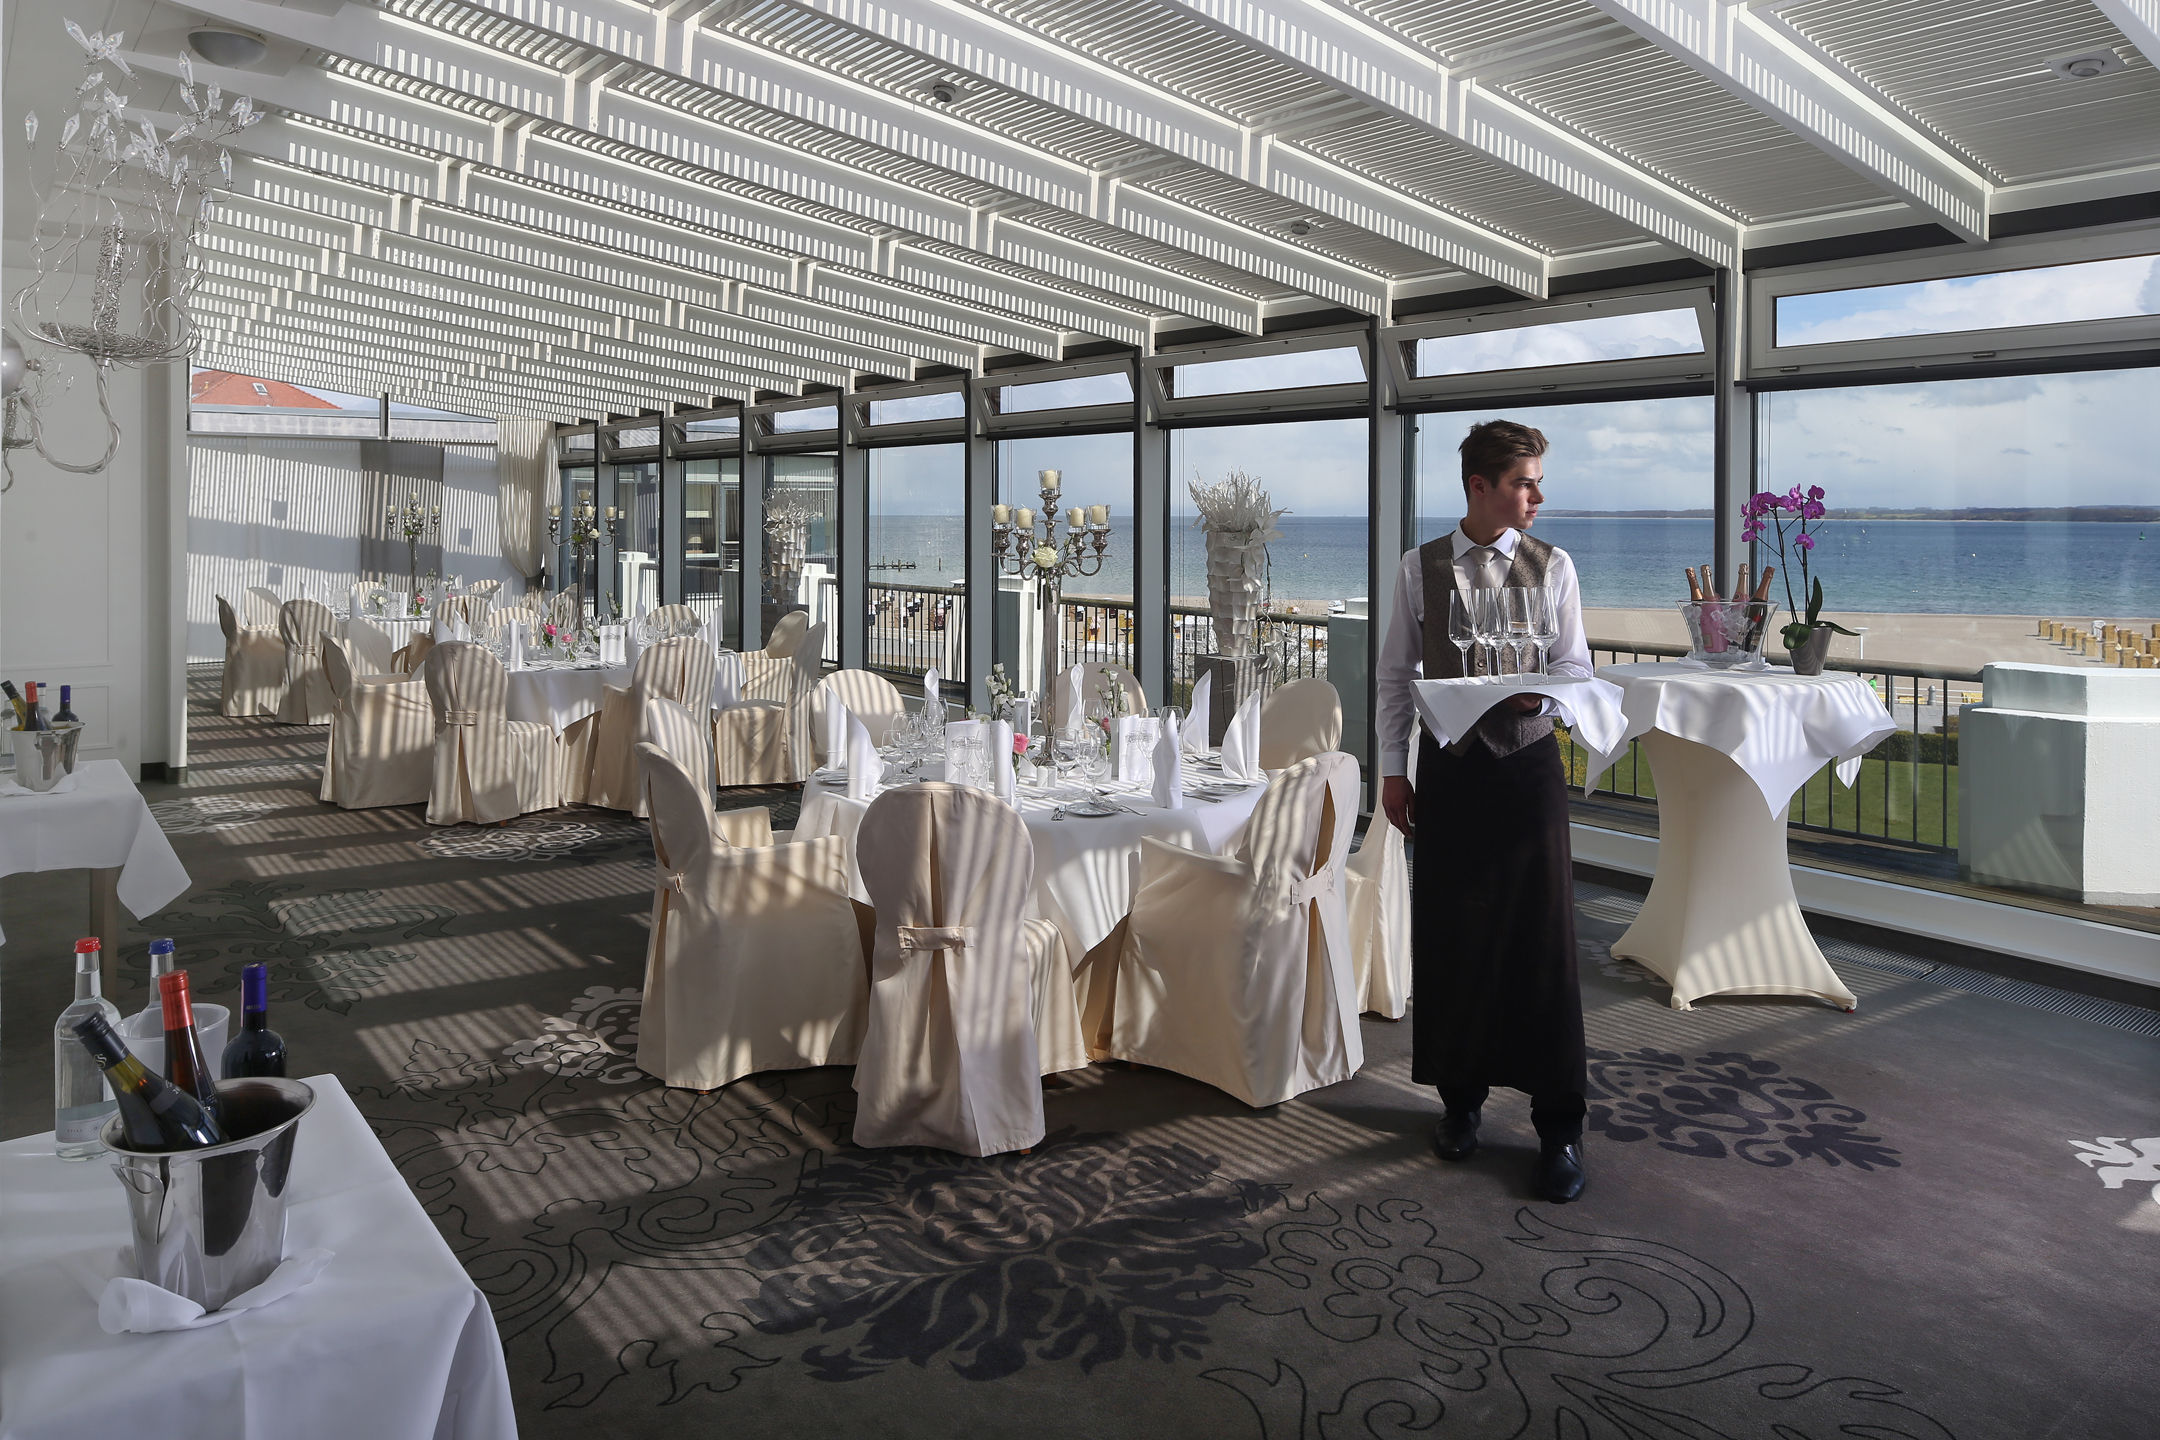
column 1402, row 649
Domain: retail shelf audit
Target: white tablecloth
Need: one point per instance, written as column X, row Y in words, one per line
column 560, row 697
column 1452, row 708
column 391, row 1342
column 1778, row 727
column 102, row 824
column 1085, row 869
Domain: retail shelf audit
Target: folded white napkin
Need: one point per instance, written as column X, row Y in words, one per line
column 10, row 786
column 931, row 699
column 864, row 769
column 517, row 645
column 1194, row 736
column 1169, row 767
column 128, row 1304
column 461, row 629
column 727, row 680
column 1241, row 742
column 1075, row 700
column 998, row 742
column 632, row 641
column 1132, row 753
column 441, row 631
column 834, row 719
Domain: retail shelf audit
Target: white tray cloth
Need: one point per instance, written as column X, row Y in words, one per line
column 392, row 1342
column 1083, row 867
column 1778, row 727
column 102, row 824
column 1452, row 708
column 559, row 697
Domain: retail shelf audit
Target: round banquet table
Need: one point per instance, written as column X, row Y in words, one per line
column 558, row 696
column 1085, row 869
column 1727, row 752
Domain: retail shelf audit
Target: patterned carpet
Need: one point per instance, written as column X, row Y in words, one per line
column 1937, row 1217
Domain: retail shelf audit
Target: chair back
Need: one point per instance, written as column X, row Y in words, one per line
column 371, row 649
column 417, row 650
column 303, row 623
column 1092, row 675
column 682, row 737
column 1300, row 720
column 682, row 832
column 227, row 621
column 465, row 680
column 337, row 669
column 869, row 696
column 787, row 634
column 485, row 588
column 264, row 606
column 681, row 669
column 562, row 610
column 1301, row 827
column 677, row 619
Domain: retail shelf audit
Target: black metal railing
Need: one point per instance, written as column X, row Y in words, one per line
column 912, row 627
column 1907, row 790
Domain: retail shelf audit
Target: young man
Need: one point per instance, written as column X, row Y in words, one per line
column 1494, row 996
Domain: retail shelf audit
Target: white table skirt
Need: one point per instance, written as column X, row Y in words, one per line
column 102, row 824
column 391, row 1342
column 1085, row 870
column 559, row 698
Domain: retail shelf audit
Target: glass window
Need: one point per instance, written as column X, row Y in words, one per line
column 712, row 427
column 1095, row 612
column 221, row 402
column 637, row 537
column 945, row 405
column 1972, row 522
column 790, row 422
column 1309, row 598
column 577, row 442
column 712, row 544
column 2043, row 295
column 1345, row 366
column 574, row 564
column 802, row 543
column 1564, row 342
column 1114, row 388
column 641, row 437
column 918, row 561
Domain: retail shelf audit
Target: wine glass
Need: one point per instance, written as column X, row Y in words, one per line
column 1518, row 614
column 1094, row 758
column 1544, row 621
column 1486, row 625
column 1461, row 632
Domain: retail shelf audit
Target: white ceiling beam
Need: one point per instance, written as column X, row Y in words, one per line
column 1796, row 86
column 2139, row 21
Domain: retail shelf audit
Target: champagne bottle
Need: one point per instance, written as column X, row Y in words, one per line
column 81, row 1098
column 185, row 1064
column 66, row 715
column 155, row 1114
column 14, row 698
column 1694, row 589
column 257, row 1049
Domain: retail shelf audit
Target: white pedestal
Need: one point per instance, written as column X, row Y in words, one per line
column 1721, row 917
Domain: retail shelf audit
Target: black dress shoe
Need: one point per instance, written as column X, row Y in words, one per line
column 1559, row 1173
column 1455, row 1137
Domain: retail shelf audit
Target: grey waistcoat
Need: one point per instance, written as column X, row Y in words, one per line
column 1503, row 731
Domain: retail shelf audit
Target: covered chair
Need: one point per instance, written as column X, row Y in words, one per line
column 254, row 678
column 1091, row 674
column 756, row 956
column 382, row 736
column 1300, row 720
column 684, row 738
column 765, row 740
column 767, row 673
column 673, row 620
column 680, row 670
column 1377, row 883
column 264, row 605
column 487, row 767
column 870, row 696
column 949, row 1055
column 304, row 625
column 411, row 657
column 368, row 648
column 1236, row 969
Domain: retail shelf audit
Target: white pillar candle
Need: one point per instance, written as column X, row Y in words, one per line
column 1050, row 480
column 1001, row 514
column 1099, row 514
column 1075, row 517
column 1024, row 518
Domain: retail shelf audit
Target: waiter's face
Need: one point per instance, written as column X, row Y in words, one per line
column 1513, row 498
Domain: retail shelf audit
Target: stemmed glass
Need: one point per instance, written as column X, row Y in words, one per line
column 1518, row 613
column 1486, row 625
column 1544, row 622
column 1461, row 632
column 1094, row 757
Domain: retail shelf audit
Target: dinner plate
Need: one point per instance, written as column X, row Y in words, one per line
column 1091, row 809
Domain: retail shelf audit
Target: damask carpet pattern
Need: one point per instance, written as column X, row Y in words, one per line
column 1936, row 1217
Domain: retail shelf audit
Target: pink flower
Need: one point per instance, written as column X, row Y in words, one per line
column 1019, row 744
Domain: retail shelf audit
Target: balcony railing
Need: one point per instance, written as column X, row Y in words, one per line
column 1102, row 629
column 912, row 627
column 1907, row 791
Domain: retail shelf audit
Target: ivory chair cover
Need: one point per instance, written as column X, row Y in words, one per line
column 1236, row 969
column 871, row 697
column 787, row 634
column 684, row 738
column 1377, row 881
column 254, row 678
column 750, row 745
column 412, row 658
column 264, row 605
column 1091, row 673
column 367, row 648
column 949, row 1057
column 771, row 674
column 680, row 669
column 487, row 766
column 304, row 625
column 382, row 736
column 1300, row 720
column 562, row 611
column 765, row 740
column 679, row 620
column 756, row 956
column 484, row 589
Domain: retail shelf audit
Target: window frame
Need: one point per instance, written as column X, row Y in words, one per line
column 1024, row 424
column 1418, row 393
column 948, row 428
column 1260, row 406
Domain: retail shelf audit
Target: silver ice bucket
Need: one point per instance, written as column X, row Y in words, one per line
column 43, row 756
column 210, row 1224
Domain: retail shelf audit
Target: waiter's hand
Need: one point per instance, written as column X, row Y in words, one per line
column 1397, row 800
column 1527, row 704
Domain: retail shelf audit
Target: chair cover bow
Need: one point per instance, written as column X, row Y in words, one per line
column 935, row 937
column 461, row 717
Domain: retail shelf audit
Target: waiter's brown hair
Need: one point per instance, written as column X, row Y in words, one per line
column 1493, row 445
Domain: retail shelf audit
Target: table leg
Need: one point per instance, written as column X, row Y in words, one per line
column 1721, row 917
column 105, row 922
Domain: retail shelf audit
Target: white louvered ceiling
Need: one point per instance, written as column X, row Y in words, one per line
column 563, row 207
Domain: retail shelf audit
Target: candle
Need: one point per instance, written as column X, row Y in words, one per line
column 1075, row 517
column 1049, row 479
column 554, row 512
column 1098, row 514
column 1001, row 514
column 611, row 512
column 1024, row 518
column 437, row 510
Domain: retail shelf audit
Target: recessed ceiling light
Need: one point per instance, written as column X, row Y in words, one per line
column 232, row 49
column 1301, row 227
column 2087, row 65
column 943, row 92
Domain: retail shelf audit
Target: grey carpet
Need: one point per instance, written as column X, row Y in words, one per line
column 1937, row 1217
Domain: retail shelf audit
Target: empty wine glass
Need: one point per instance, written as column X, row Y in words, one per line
column 1486, row 625
column 1518, row 615
column 1094, row 758
column 1544, row 622
column 1460, row 631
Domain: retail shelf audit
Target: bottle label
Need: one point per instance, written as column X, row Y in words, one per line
column 80, row 1124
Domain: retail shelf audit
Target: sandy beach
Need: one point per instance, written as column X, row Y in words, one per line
column 1957, row 642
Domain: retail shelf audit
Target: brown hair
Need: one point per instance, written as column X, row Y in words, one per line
column 1493, row 445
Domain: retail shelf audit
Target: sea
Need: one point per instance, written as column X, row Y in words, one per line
column 2073, row 569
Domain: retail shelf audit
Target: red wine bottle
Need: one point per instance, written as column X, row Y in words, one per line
column 155, row 1114
column 185, row 1064
column 257, row 1049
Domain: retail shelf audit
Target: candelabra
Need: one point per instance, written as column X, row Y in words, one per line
column 580, row 529
column 412, row 522
column 1026, row 544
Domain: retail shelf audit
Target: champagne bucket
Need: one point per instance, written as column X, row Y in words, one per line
column 210, row 1224
column 43, row 756
column 1727, row 634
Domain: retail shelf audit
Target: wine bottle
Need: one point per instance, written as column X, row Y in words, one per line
column 14, row 698
column 185, row 1064
column 66, row 715
column 37, row 719
column 1694, row 590
column 155, row 1114
column 257, row 1049
column 81, row 1098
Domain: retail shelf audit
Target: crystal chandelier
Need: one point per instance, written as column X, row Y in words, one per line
column 117, row 241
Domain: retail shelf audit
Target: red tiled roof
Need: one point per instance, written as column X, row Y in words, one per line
column 222, row 387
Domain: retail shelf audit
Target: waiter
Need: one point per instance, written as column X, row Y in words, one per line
column 1492, row 934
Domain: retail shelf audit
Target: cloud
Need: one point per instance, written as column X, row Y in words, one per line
column 2053, row 294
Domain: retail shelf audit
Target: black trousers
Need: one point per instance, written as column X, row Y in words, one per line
column 1497, row 1001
